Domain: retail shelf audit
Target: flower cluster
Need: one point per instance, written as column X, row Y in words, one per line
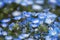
column 40, row 24
column 28, row 24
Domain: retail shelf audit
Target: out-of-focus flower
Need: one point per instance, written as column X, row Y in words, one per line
column 4, row 24
column 23, row 36
column 1, row 4
column 36, row 7
column 39, row 1
column 6, row 20
column 8, row 1
column 8, row 37
column 16, row 13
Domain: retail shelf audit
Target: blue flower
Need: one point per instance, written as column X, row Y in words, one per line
column 17, row 18
column 48, row 38
column 34, row 25
column 37, row 36
column 16, row 39
column 23, row 36
column 39, row 1
column 18, row 1
column 6, row 20
column 35, row 14
column 58, row 2
column 24, row 4
column 30, row 2
column 11, row 26
column 4, row 24
column 53, row 32
column 26, row 14
column 8, row 37
column 36, row 7
column 50, row 18
column 1, row 4
column 4, row 33
column 42, row 16
column 52, row 1
column 16, row 13
column 35, row 21
column 8, row 1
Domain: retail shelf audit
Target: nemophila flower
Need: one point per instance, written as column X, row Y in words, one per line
column 35, row 21
column 4, row 33
column 11, row 26
column 48, row 38
column 34, row 25
column 16, row 13
column 53, row 33
column 1, row 4
column 17, row 18
column 50, row 18
column 26, row 14
column 23, row 36
column 34, row 14
column 6, row 20
column 30, row 39
column 36, row 7
column 37, row 36
column 52, row 1
column 8, row 1
column 42, row 16
column 30, row 2
column 54, row 38
column 24, row 4
column 39, row 1
column 8, row 37
column 4, row 24
column 18, row 1
column 58, row 2
column 16, row 39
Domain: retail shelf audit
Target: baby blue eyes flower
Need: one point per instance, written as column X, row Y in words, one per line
column 23, row 36
column 16, row 13
column 17, row 18
column 42, row 16
column 11, row 26
column 39, row 1
column 1, row 4
column 52, row 1
column 37, row 36
column 8, row 37
column 27, row 14
column 4, row 24
column 50, row 18
column 8, row 1
column 5, row 20
column 17, row 1
column 35, row 21
column 34, row 25
column 47, row 38
column 4, row 33
column 24, row 4
column 53, row 32
column 29, row 2
column 58, row 2
column 36, row 7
